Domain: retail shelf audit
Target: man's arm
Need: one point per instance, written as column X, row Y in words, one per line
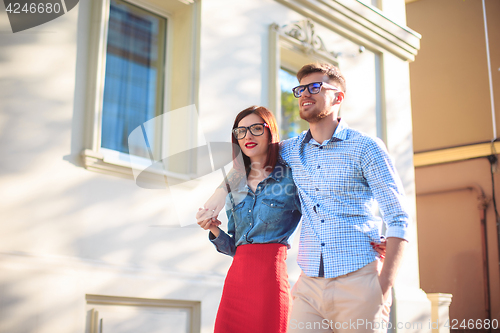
column 393, row 258
column 387, row 189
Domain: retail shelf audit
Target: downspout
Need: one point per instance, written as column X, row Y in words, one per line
column 482, row 207
column 493, row 168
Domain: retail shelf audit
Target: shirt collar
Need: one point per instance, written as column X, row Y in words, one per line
column 278, row 173
column 340, row 133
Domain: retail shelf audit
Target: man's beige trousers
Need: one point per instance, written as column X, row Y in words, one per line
column 348, row 303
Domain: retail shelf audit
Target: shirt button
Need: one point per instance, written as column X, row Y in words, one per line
column 319, row 166
column 321, row 147
column 249, row 210
column 322, row 244
column 317, row 205
column 322, row 221
column 272, row 205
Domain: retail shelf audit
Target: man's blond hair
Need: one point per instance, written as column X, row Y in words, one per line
column 330, row 70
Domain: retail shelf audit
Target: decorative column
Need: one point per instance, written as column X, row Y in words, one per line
column 440, row 312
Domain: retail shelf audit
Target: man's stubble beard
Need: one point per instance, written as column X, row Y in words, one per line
column 315, row 116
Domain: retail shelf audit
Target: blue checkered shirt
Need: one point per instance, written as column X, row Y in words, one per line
column 340, row 182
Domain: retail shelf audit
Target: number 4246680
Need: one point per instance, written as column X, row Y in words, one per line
column 33, row 8
column 472, row 324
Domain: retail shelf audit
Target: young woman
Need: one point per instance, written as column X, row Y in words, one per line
column 263, row 211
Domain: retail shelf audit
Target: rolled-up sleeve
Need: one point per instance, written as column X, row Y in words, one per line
column 386, row 187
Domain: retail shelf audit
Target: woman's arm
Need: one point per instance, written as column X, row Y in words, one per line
column 224, row 242
column 213, row 206
column 215, row 203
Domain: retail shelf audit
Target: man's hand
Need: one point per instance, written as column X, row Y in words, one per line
column 393, row 258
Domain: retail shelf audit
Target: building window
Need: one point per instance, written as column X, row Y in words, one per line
column 142, row 62
column 298, row 43
column 134, row 80
column 131, row 314
column 291, row 47
column 291, row 123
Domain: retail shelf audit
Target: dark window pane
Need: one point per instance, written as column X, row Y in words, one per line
column 133, row 87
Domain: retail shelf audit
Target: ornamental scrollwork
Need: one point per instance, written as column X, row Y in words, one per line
column 303, row 31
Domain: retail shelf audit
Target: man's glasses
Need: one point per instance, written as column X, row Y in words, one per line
column 256, row 129
column 313, row 88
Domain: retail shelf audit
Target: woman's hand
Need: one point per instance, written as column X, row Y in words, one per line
column 211, row 224
column 213, row 206
column 208, row 223
column 380, row 247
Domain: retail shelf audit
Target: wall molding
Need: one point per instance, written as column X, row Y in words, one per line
column 455, row 154
column 149, row 177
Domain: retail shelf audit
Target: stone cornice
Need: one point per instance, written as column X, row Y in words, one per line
column 363, row 24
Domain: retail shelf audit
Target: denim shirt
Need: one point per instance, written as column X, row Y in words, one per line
column 270, row 215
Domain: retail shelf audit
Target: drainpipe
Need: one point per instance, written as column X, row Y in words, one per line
column 482, row 206
column 483, row 203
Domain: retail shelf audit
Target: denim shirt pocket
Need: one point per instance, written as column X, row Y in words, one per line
column 271, row 211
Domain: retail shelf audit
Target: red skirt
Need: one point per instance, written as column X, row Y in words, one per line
column 256, row 295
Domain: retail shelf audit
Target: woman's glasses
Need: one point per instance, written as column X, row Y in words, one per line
column 256, row 129
column 313, row 88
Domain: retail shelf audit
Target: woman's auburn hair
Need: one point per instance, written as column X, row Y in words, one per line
column 274, row 139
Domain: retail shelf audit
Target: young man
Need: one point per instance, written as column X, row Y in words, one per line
column 339, row 173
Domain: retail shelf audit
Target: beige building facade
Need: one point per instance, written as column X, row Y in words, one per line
column 95, row 104
column 455, row 83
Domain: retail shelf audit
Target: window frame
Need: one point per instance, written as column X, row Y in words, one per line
column 103, row 160
column 289, row 53
column 95, row 302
